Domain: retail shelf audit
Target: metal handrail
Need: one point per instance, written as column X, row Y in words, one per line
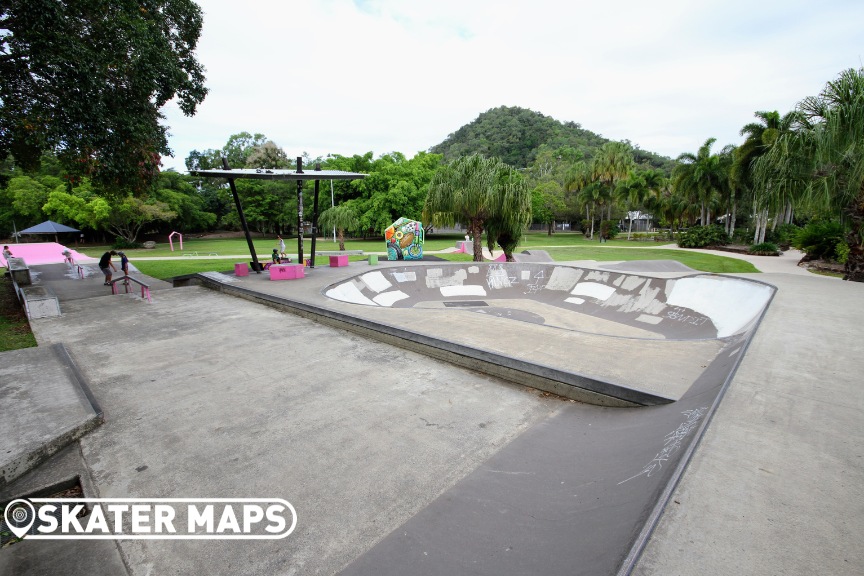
column 145, row 288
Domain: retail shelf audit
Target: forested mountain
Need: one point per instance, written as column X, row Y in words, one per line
column 516, row 134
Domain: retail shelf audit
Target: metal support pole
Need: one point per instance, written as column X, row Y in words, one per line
column 332, row 205
column 315, row 215
column 300, row 212
column 255, row 265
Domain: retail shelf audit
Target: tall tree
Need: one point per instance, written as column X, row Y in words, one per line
column 703, row 177
column 514, row 211
column 823, row 159
column 395, row 187
column 635, row 190
column 268, row 155
column 548, row 177
column 612, row 164
column 341, row 218
column 87, row 78
column 759, row 137
column 476, row 190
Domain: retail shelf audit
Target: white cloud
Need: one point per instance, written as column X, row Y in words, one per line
column 389, row 75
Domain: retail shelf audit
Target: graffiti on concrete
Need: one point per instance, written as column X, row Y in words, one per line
column 404, row 240
column 672, row 442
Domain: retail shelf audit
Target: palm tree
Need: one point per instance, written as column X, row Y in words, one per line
column 479, row 191
column 514, row 214
column 669, row 205
column 341, row 218
column 590, row 196
column 702, row 177
column 759, row 138
column 613, row 163
column 635, row 190
column 823, row 159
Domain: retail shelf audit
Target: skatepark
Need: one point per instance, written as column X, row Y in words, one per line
column 437, row 418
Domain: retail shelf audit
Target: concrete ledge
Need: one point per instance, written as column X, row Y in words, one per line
column 39, row 301
column 567, row 384
column 48, row 405
column 19, row 271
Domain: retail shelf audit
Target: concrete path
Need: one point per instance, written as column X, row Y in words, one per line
column 777, row 484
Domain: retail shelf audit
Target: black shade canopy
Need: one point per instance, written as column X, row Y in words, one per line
column 48, row 227
column 262, row 174
column 298, row 176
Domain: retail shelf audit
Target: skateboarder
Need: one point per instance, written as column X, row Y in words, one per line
column 107, row 266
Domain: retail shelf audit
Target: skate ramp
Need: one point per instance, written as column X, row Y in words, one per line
column 628, row 337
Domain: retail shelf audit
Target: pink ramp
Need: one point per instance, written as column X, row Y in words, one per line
column 44, row 253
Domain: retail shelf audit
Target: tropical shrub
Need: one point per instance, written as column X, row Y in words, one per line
column 819, row 240
column 609, row 229
column 842, row 250
column 121, row 243
column 702, row 236
column 764, row 249
column 782, row 235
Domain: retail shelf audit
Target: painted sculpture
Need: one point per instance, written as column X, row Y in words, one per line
column 404, row 240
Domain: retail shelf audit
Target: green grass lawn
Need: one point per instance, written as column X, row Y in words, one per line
column 561, row 246
column 264, row 246
column 696, row 260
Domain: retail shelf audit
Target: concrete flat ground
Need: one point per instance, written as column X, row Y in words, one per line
column 398, row 463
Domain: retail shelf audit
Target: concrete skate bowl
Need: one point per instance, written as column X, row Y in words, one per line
column 608, row 337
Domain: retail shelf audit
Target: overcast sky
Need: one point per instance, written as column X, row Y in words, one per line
column 348, row 77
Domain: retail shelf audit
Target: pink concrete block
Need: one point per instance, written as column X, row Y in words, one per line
column 336, row 261
column 286, row 272
column 241, row 269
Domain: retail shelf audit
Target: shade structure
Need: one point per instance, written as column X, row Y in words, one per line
column 298, row 176
column 48, row 227
column 278, row 174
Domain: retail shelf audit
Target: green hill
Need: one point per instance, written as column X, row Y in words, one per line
column 515, row 134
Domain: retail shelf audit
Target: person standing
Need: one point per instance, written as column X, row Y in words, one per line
column 281, row 245
column 124, row 265
column 7, row 254
column 107, row 266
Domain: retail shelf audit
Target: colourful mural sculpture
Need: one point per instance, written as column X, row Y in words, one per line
column 404, row 240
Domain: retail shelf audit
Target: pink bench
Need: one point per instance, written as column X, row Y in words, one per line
column 336, row 261
column 286, row 271
column 241, row 269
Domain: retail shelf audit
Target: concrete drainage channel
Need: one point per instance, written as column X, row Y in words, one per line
column 69, row 488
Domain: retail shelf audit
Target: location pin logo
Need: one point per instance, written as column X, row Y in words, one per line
column 20, row 515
